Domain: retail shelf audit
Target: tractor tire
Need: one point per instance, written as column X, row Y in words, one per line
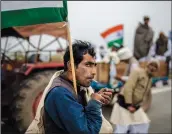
column 29, row 90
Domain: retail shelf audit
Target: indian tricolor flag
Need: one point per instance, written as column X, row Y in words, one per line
column 113, row 36
column 34, row 17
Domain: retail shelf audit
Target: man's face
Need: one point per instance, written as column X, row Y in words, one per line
column 86, row 70
column 146, row 21
column 114, row 49
column 161, row 35
column 152, row 69
column 125, row 61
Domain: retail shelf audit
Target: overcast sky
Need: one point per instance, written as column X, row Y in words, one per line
column 89, row 18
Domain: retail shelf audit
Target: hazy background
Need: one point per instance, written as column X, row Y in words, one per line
column 89, row 18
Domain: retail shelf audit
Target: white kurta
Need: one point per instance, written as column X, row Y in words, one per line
column 121, row 116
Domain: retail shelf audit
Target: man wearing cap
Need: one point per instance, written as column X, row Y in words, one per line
column 125, row 55
column 161, row 50
column 143, row 40
column 128, row 113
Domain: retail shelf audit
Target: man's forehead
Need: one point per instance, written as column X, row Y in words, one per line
column 88, row 58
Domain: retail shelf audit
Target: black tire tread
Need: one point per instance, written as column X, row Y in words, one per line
column 20, row 115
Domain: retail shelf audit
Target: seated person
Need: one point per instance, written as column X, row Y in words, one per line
column 161, row 50
column 32, row 58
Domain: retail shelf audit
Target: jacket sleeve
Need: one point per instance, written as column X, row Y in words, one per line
column 76, row 120
column 129, row 86
column 139, row 29
column 169, row 47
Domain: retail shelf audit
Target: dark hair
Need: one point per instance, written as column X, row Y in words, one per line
column 80, row 48
column 146, row 18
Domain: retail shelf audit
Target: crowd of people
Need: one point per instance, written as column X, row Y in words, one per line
column 144, row 46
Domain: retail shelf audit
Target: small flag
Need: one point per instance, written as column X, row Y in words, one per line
column 113, row 36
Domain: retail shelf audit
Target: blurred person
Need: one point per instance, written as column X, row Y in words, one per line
column 112, row 54
column 161, row 44
column 102, row 51
column 125, row 55
column 128, row 114
column 106, row 55
column 34, row 58
column 161, row 50
column 66, row 112
column 169, row 53
column 116, row 47
column 143, row 40
column 113, row 59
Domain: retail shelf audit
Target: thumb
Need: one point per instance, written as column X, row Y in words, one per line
column 108, row 90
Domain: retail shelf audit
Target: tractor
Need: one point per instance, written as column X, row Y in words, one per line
column 24, row 75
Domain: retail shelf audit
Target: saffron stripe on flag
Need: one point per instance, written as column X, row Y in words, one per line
column 111, row 30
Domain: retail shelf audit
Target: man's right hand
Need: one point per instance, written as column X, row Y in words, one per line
column 97, row 97
column 131, row 109
column 104, row 96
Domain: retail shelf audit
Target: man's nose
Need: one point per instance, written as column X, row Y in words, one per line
column 94, row 70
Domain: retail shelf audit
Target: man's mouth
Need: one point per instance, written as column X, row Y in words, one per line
column 90, row 78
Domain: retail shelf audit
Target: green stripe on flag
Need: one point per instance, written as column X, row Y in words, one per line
column 118, row 41
column 33, row 16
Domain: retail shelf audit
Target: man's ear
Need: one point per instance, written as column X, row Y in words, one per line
column 69, row 66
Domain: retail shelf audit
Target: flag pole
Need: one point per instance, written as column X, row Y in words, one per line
column 71, row 57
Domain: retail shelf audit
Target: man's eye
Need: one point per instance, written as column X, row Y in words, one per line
column 88, row 65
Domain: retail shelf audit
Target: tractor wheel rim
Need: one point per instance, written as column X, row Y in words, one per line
column 35, row 103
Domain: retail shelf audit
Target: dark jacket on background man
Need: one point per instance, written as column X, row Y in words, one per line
column 161, row 46
column 143, row 41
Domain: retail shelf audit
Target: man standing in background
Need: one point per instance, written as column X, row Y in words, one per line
column 143, row 40
column 128, row 112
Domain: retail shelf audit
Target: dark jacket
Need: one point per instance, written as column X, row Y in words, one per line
column 143, row 41
column 161, row 46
